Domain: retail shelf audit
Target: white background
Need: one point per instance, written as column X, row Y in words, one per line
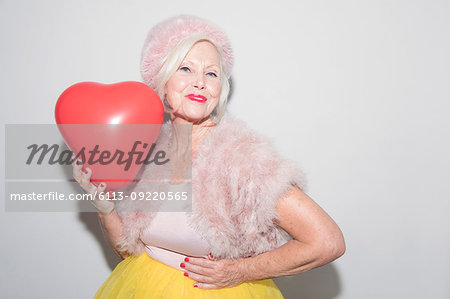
column 356, row 91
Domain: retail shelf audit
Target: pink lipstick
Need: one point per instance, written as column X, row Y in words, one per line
column 196, row 97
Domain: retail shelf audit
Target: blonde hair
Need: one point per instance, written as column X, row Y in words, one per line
column 172, row 62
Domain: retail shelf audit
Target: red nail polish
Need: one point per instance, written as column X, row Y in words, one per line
column 186, row 274
column 102, row 185
column 182, row 265
column 211, row 256
column 195, row 286
column 186, row 259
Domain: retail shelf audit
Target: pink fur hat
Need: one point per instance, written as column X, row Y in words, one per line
column 163, row 37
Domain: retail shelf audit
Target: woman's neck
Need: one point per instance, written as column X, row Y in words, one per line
column 186, row 137
column 199, row 130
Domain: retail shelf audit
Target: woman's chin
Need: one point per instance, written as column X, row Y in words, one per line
column 193, row 118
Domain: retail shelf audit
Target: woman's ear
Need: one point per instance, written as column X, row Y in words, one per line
column 166, row 104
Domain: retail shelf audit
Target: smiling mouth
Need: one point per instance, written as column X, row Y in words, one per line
column 196, row 98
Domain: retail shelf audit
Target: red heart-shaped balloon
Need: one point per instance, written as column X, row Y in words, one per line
column 106, row 125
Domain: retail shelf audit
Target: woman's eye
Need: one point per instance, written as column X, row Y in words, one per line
column 184, row 69
column 211, row 74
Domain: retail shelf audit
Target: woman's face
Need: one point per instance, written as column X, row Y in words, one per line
column 194, row 90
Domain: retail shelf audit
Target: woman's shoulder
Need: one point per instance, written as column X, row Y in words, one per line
column 237, row 148
column 230, row 122
column 235, row 133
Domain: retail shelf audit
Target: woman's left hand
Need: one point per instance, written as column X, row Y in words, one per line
column 214, row 274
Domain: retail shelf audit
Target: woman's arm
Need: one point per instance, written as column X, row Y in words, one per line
column 317, row 240
column 112, row 229
column 109, row 219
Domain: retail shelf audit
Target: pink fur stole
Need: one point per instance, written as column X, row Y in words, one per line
column 237, row 178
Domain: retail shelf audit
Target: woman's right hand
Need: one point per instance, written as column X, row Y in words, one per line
column 83, row 177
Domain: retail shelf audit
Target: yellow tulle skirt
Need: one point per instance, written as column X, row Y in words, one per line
column 144, row 277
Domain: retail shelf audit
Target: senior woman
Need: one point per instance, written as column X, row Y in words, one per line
column 250, row 219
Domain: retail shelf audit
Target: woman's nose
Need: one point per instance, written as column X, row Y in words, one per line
column 199, row 81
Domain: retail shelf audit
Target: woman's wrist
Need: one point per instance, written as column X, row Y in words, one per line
column 249, row 271
column 104, row 206
column 275, row 263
